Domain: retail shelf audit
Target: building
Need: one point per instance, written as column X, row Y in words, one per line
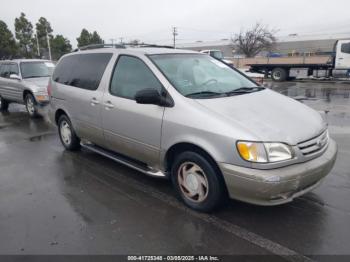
column 291, row 45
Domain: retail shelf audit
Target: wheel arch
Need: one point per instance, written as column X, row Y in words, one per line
column 26, row 92
column 180, row 147
column 59, row 112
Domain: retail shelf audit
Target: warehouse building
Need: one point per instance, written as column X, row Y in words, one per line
column 292, row 45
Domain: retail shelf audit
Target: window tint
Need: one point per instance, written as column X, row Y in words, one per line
column 130, row 76
column 4, row 71
column 13, row 69
column 345, row 48
column 82, row 70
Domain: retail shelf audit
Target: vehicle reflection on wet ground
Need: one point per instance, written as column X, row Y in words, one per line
column 58, row 202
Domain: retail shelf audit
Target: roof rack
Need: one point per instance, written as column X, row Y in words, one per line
column 97, row 46
column 150, row 45
column 124, row 45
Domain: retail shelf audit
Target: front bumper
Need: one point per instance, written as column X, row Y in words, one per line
column 280, row 185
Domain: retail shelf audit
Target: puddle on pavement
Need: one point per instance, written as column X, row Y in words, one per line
column 312, row 91
column 330, row 99
column 40, row 137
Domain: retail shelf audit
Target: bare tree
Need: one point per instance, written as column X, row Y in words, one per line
column 135, row 42
column 251, row 42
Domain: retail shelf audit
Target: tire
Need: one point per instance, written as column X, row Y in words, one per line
column 197, row 182
column 67, row 135
column 31, row 105
column 279, row 74
column 4, row 105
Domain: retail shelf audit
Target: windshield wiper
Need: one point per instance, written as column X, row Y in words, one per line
column 244, row 90
column 205, row 93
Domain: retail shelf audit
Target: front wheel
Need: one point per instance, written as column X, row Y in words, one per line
column 31, row 105
column 197, row 182
column 4, row 105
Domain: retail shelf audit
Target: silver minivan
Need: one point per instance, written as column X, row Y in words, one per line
column 25, row 81
column 188, row 117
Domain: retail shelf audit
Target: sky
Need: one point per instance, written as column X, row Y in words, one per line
column 151, row 21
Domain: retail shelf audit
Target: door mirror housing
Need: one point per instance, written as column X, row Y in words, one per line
column 151, row 96
column 15, row 77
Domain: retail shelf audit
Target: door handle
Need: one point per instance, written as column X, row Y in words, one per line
column 108, row 105
column 94, row 101
column 340, row 58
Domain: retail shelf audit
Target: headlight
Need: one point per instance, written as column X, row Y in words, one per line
column 41, row 97
column 264, row 152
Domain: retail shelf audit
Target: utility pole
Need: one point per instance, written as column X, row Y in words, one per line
column 37, row 44
column 112, row 41
column 48, row 44
column 174, row 35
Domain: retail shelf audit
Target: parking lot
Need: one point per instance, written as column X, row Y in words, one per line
column 58, row 202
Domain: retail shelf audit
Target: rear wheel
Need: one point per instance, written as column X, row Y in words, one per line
column 67, row 135
column 31, row 105
column 4, row 105
column 279, row 74
column 197, row 182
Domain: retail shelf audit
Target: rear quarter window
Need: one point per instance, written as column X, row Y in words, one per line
column 82, row 70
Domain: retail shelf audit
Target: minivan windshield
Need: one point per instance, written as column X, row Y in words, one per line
column 201, row 76
column 36, row 69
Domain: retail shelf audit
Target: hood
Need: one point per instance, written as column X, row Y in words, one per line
column 269, row 116
column 38, row 83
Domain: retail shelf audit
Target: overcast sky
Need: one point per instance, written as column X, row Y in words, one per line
column 152, row 20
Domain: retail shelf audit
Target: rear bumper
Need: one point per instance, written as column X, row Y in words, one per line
column 281, row 185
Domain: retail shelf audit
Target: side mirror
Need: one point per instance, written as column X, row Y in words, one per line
column 15, row 77
column 151, row 96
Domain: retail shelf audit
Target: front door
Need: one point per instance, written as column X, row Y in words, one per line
column 8, row 88
column 129, row 128
column 342, row 60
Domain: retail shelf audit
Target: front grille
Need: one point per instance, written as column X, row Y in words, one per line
column 315, row 144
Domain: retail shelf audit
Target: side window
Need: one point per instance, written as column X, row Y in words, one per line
column 130, row 76
column 63, row 70
column 4, row 71
column 82, row 70
column 13, row 69
column 345, row 48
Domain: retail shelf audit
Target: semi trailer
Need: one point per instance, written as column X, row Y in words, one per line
column 333, row 66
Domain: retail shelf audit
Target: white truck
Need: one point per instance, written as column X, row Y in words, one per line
column 217, row 54
column 281, row 69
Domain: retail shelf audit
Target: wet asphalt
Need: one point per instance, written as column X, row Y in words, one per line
column 58, row 202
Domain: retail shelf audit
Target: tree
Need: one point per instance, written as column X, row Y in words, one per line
column 24, row 34
column 255, row 40
column 84, row 38
column 43, row 29
column 95, row 38
column 60, row 46
column 8, row 47
column 135, row 42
